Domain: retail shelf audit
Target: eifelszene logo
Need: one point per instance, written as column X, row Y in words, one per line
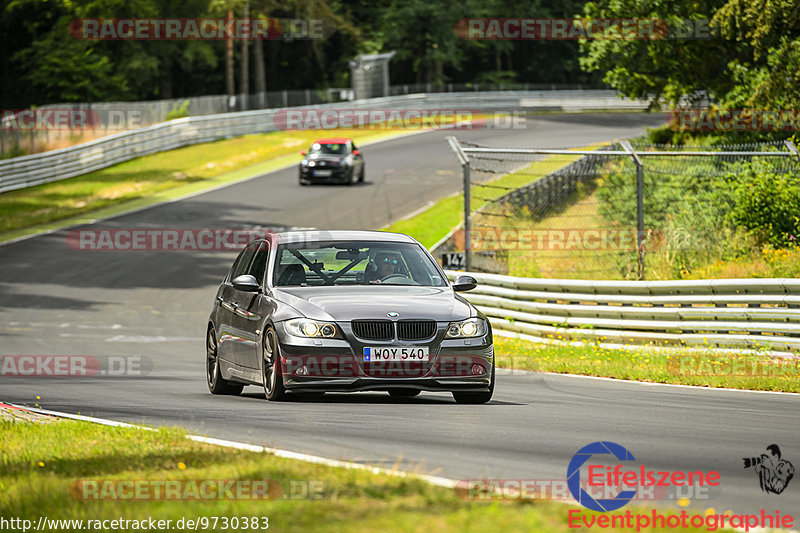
column 625, row 481
column 774, row 473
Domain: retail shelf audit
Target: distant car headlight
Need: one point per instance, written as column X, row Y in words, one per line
column 305, row 327
column 471, row 327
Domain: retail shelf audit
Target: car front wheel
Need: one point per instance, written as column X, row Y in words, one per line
column 271, row 367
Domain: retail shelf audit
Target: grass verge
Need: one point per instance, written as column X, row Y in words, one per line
column 703, row 369
column 45, row 466
column 435, row 222
column 159, row 177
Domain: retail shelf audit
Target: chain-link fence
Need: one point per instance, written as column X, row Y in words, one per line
column 625, row 210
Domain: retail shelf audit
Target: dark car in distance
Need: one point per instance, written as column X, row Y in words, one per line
column 309, row 312
column 335, row 160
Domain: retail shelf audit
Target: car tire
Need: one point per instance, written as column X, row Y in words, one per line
column 351, row 179
column 403, row 393
column 216, row 384
column 474, row 398
column 271, row 371
column 361, row 175
column 303, row 182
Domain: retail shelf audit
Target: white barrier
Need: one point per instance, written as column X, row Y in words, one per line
column 760, row 314
column 26, row 171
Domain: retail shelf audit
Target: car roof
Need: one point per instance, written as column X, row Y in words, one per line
column 333, row 140
column 347, row 235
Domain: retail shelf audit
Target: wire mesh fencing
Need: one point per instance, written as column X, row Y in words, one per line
column 623, row 210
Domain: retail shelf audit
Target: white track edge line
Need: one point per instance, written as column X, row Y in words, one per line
column 315, row 459
column 286, row 454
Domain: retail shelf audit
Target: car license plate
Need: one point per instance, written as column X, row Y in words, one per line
column 396, row 353
column 323, row 173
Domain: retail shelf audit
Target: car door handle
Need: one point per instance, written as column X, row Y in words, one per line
column 219, row 299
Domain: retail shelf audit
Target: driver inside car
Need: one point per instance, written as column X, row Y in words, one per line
column 387, row 265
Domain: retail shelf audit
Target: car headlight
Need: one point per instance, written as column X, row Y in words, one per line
column 305, row 327
column 471, row 327
column 304, row 162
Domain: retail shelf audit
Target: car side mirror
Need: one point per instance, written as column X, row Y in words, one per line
column 464, row 283
column 303, row 152
column 356, row 152
column 246, row 283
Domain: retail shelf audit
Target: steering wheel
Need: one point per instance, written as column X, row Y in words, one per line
column 397, row 277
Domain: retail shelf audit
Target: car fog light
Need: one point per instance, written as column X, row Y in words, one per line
column 477, row 370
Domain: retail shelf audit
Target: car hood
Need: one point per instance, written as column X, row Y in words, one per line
column 345, row 303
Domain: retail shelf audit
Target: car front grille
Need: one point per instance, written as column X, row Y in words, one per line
column 376, row 330
column 415, row 330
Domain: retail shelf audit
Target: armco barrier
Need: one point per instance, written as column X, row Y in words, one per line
column 760, row 314
column 26, row 171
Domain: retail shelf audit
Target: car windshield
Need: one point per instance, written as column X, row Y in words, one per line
column 328, row 148
column 354, row 263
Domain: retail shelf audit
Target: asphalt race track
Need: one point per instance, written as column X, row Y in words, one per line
column 152, row 307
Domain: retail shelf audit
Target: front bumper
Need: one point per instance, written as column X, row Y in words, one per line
column 332, row 365
column 337, row 174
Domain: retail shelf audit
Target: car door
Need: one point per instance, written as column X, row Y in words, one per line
column 249, row 311
column 231, row 336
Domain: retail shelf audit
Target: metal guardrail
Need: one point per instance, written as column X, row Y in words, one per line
column 26, row 171
column 752, row 314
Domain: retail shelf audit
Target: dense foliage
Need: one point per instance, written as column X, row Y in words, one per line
column 42, row 63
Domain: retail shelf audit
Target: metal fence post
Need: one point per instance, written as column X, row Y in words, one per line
column 464, row 160
column 467, row 225
column 626, row 145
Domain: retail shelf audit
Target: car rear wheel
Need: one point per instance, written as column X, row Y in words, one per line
column 271, row 373
column 216, row 384
column 403, row 393
column 476, row 397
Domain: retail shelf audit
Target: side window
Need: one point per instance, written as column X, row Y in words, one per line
column 259, row 266
column 243, row 262
column 235, row 266
column 353, row 147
